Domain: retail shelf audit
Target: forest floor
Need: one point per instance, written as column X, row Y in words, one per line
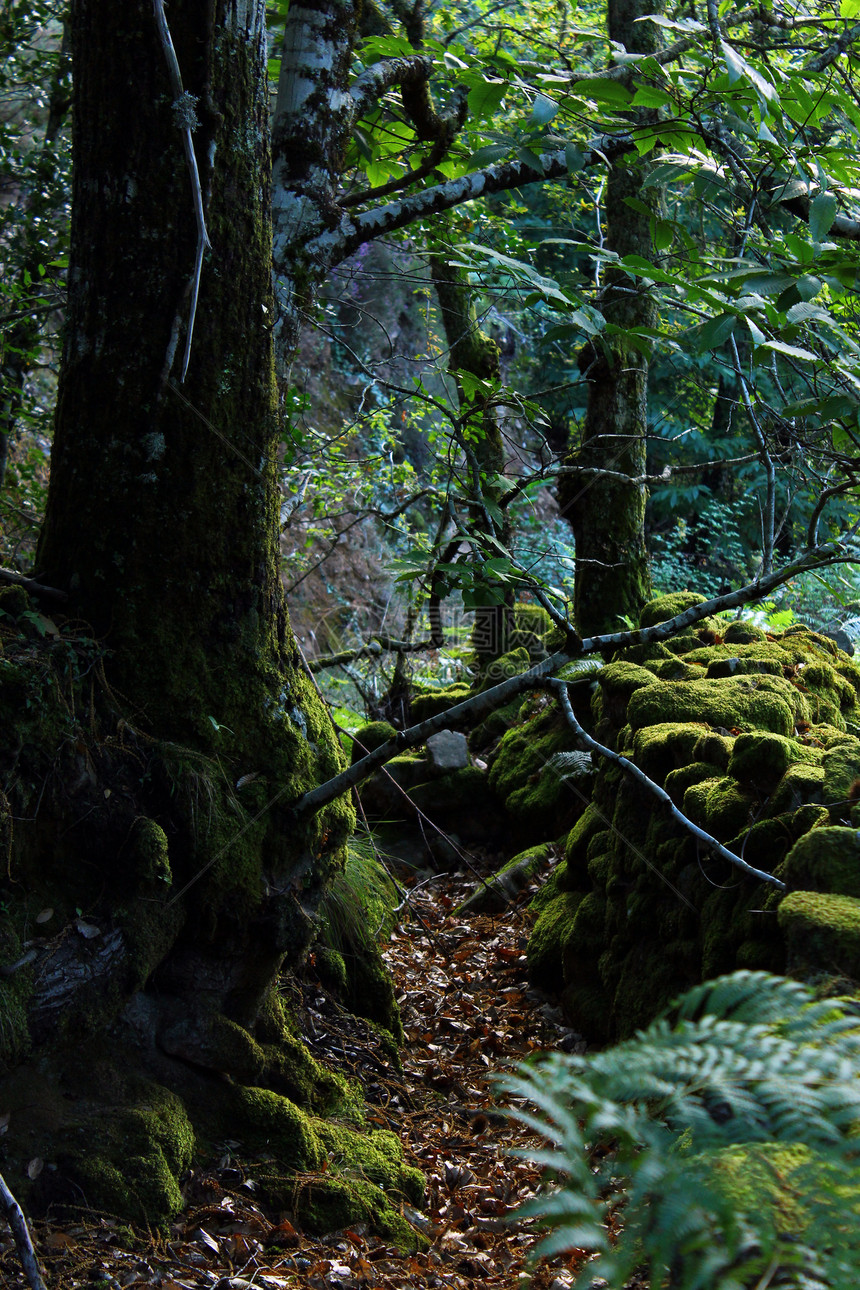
column 468, row 1011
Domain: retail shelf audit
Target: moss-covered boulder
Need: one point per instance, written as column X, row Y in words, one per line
column 538, row 788
column 825, row 860
column 735, row 703
column 749, row 734
column 370, row 737
column 494, row 894
column 761, row 759
column 661, row 609
column 822, row 933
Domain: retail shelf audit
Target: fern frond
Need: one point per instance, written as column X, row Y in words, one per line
column 733, row 1124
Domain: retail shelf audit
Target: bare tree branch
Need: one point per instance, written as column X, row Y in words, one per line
column 480, row 705
column 21, row 1233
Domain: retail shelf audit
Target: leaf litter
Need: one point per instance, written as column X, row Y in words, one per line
column 468, row 1011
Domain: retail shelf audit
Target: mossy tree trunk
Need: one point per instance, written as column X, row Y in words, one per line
column 163, row 824
column 471, row 352
column 607, row 513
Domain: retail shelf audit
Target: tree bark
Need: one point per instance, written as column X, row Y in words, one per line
column 612, row 579
column 166, row 812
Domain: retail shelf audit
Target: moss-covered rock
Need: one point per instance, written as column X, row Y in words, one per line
column 524, row 777
column 743, row 632
column 720, row 806
column 760, row 703
column 667, row 745
column 825, row 860
column 669, row 606
column 532, row 629
column 801, row 784
column 550, row 937
column 761, row 759
column 822, row 933
column 746, row 733
column 497, row 892
column 370, row 737
column 429, row 703
column 841, row 775
column 678, row 781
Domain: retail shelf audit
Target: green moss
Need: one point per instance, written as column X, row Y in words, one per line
column 150, row 857
column 618, row 681
column 270, row 1122
column 532, row 629
column 327, row 1205
column 764, row 1181
column 762, row 759
column 376, row 1157
column 666, row 607
column 674, row 669
column 592, row 821
column 822, row 933
column 763, row 703
column 550, row 936
column 801, row 784
column 721, row 806
column 667, row 746
column 827, row 859
column 734, row 666
column 841, row 768
column 532, row 792
column 678, row 781
column 589, row 926
column 129, row 1161
column 497, row 892
column 555, row 884
column 370, row 737
column 765, row 843
column 495, row 725
column 513, row 663
column 743, row 632
column 429, row 703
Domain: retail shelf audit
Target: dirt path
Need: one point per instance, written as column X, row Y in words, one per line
column 467, row 1010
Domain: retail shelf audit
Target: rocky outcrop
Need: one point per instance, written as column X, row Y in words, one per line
column 757, row 739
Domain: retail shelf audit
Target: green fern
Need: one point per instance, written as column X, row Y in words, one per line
column 728, row 1131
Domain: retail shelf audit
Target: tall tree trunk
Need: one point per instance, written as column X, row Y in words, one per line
column 607, row 514
column 473, row 352
column 163, row 823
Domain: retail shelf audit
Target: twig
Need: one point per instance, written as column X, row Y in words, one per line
column 184, row 112
column 21, row 1233
column 559, row 688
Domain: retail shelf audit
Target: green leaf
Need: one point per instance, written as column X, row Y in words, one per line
column 489, row 155
column 530, row 158
column 715, row 332
column 486, row 98
column 662, row 233
column 791, row 351
column 649, row 96
column 738, row 67
column 757, row 334
column 822, row 213
column 544, row 109
column 849, row 9
column 604, row 92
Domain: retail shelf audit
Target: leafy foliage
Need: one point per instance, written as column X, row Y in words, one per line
column 730, row 1127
